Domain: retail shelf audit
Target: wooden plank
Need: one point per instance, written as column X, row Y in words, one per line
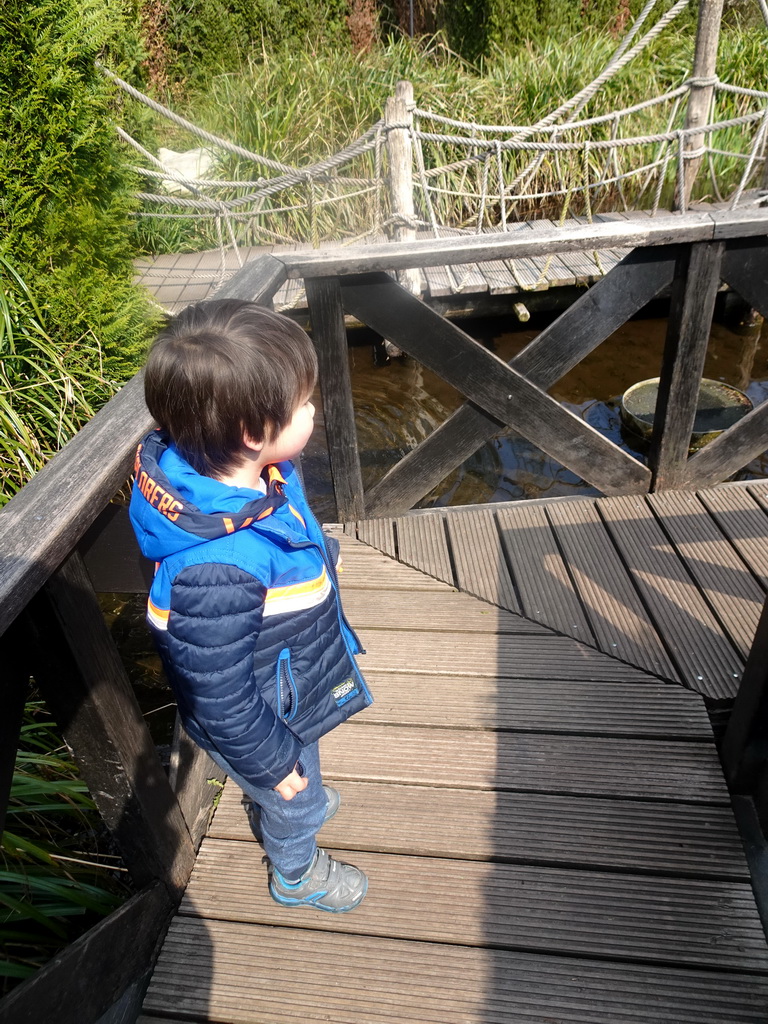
column 652, row 710
column 67, row 495
column 523, row 273
column 16, row 672
column 469, row 279
column 743, row 748
column 560, row 346
column 111, row 554
column 376, row 532
column 660, row 920
column 686, row 840
column 236, row 973
column 587, row 266
column 526, row 763
column 691, row 227
column 616, row 614
column 257, row 281
column 496, row 272
column 685, row 349
column 696, row 642
column 456, row 280
column 192, row 775
column 84, row 683
column 737, row 224
column 421, row 543
column 744, row 522
column 509, row 657
column 440, row 281
column 375, row 571
column 489, row 382
column 486, row 576
column 561, row 269
column 729, row 452
column 79, row 984
column 446, row 611
column 330, row 336
column 745, row 269
column 291, row 295
column 731, row 590
column 541, row 576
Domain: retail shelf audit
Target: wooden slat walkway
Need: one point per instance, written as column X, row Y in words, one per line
column 177, row 279
column 670, row 583
column 546, row 829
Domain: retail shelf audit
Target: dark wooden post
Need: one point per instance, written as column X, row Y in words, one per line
column 84, row 683
column 193, row 775
column 744, row 750
column 15, row 691
column 690, row 320
column 700, row 96
column 327, row 316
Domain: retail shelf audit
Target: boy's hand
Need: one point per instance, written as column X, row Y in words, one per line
column 291, row 785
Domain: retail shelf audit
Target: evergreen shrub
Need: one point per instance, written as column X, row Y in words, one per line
column 67, row 195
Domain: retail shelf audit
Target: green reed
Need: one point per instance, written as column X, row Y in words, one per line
column 47, row 391
column 300, row 105
column 54, row 879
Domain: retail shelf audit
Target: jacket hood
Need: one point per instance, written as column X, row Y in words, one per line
column 169, row 517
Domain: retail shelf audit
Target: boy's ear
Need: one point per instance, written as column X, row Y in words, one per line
column 248, row 442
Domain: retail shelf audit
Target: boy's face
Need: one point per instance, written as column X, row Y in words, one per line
column 291, row 440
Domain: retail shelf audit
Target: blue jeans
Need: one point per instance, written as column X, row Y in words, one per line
column 288, row 827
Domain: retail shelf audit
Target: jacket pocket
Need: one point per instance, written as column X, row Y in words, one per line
column 287, row 694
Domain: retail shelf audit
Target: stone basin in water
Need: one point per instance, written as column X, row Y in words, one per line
column 719, row 407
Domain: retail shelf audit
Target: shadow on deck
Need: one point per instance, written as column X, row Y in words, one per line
column 541, row 810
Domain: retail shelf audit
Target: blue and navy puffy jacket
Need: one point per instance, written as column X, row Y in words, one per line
column 245, row 611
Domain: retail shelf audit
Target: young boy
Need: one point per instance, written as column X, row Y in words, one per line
column 244, row 606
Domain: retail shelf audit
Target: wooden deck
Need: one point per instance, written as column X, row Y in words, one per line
column 542, row 815
column 177, row 279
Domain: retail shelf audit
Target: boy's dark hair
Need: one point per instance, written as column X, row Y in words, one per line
column 222, row 369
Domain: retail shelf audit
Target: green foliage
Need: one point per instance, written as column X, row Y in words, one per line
column 297, row 107
column 66, row 214
column 475, row 27
column 205, row 37
column 50, row 889
column 47, row 389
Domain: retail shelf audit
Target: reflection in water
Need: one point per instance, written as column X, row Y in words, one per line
column 399, row 404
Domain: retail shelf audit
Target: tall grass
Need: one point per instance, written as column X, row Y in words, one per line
column 54, row 880
column 300, row 105
column 47, row 390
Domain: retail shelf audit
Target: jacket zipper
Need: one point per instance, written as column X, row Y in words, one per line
column 287, row 697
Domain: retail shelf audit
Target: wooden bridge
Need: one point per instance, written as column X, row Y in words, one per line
column 546, row 828
column 537, row 794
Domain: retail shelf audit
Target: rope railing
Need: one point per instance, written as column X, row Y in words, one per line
column 470, row 175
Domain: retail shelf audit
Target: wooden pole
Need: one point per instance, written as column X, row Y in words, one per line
column 399, row 111
column 330, row 338
column 702, row 88
column 690, row 321
column 84, row 683
column 743, row 750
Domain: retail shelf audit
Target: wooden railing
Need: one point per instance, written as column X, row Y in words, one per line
column 58, row 536
column 689, row 253
column 61, row 534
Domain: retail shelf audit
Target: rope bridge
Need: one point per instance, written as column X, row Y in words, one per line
column 469, row 176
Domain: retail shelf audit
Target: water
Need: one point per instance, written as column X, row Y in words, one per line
column 400, row 403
